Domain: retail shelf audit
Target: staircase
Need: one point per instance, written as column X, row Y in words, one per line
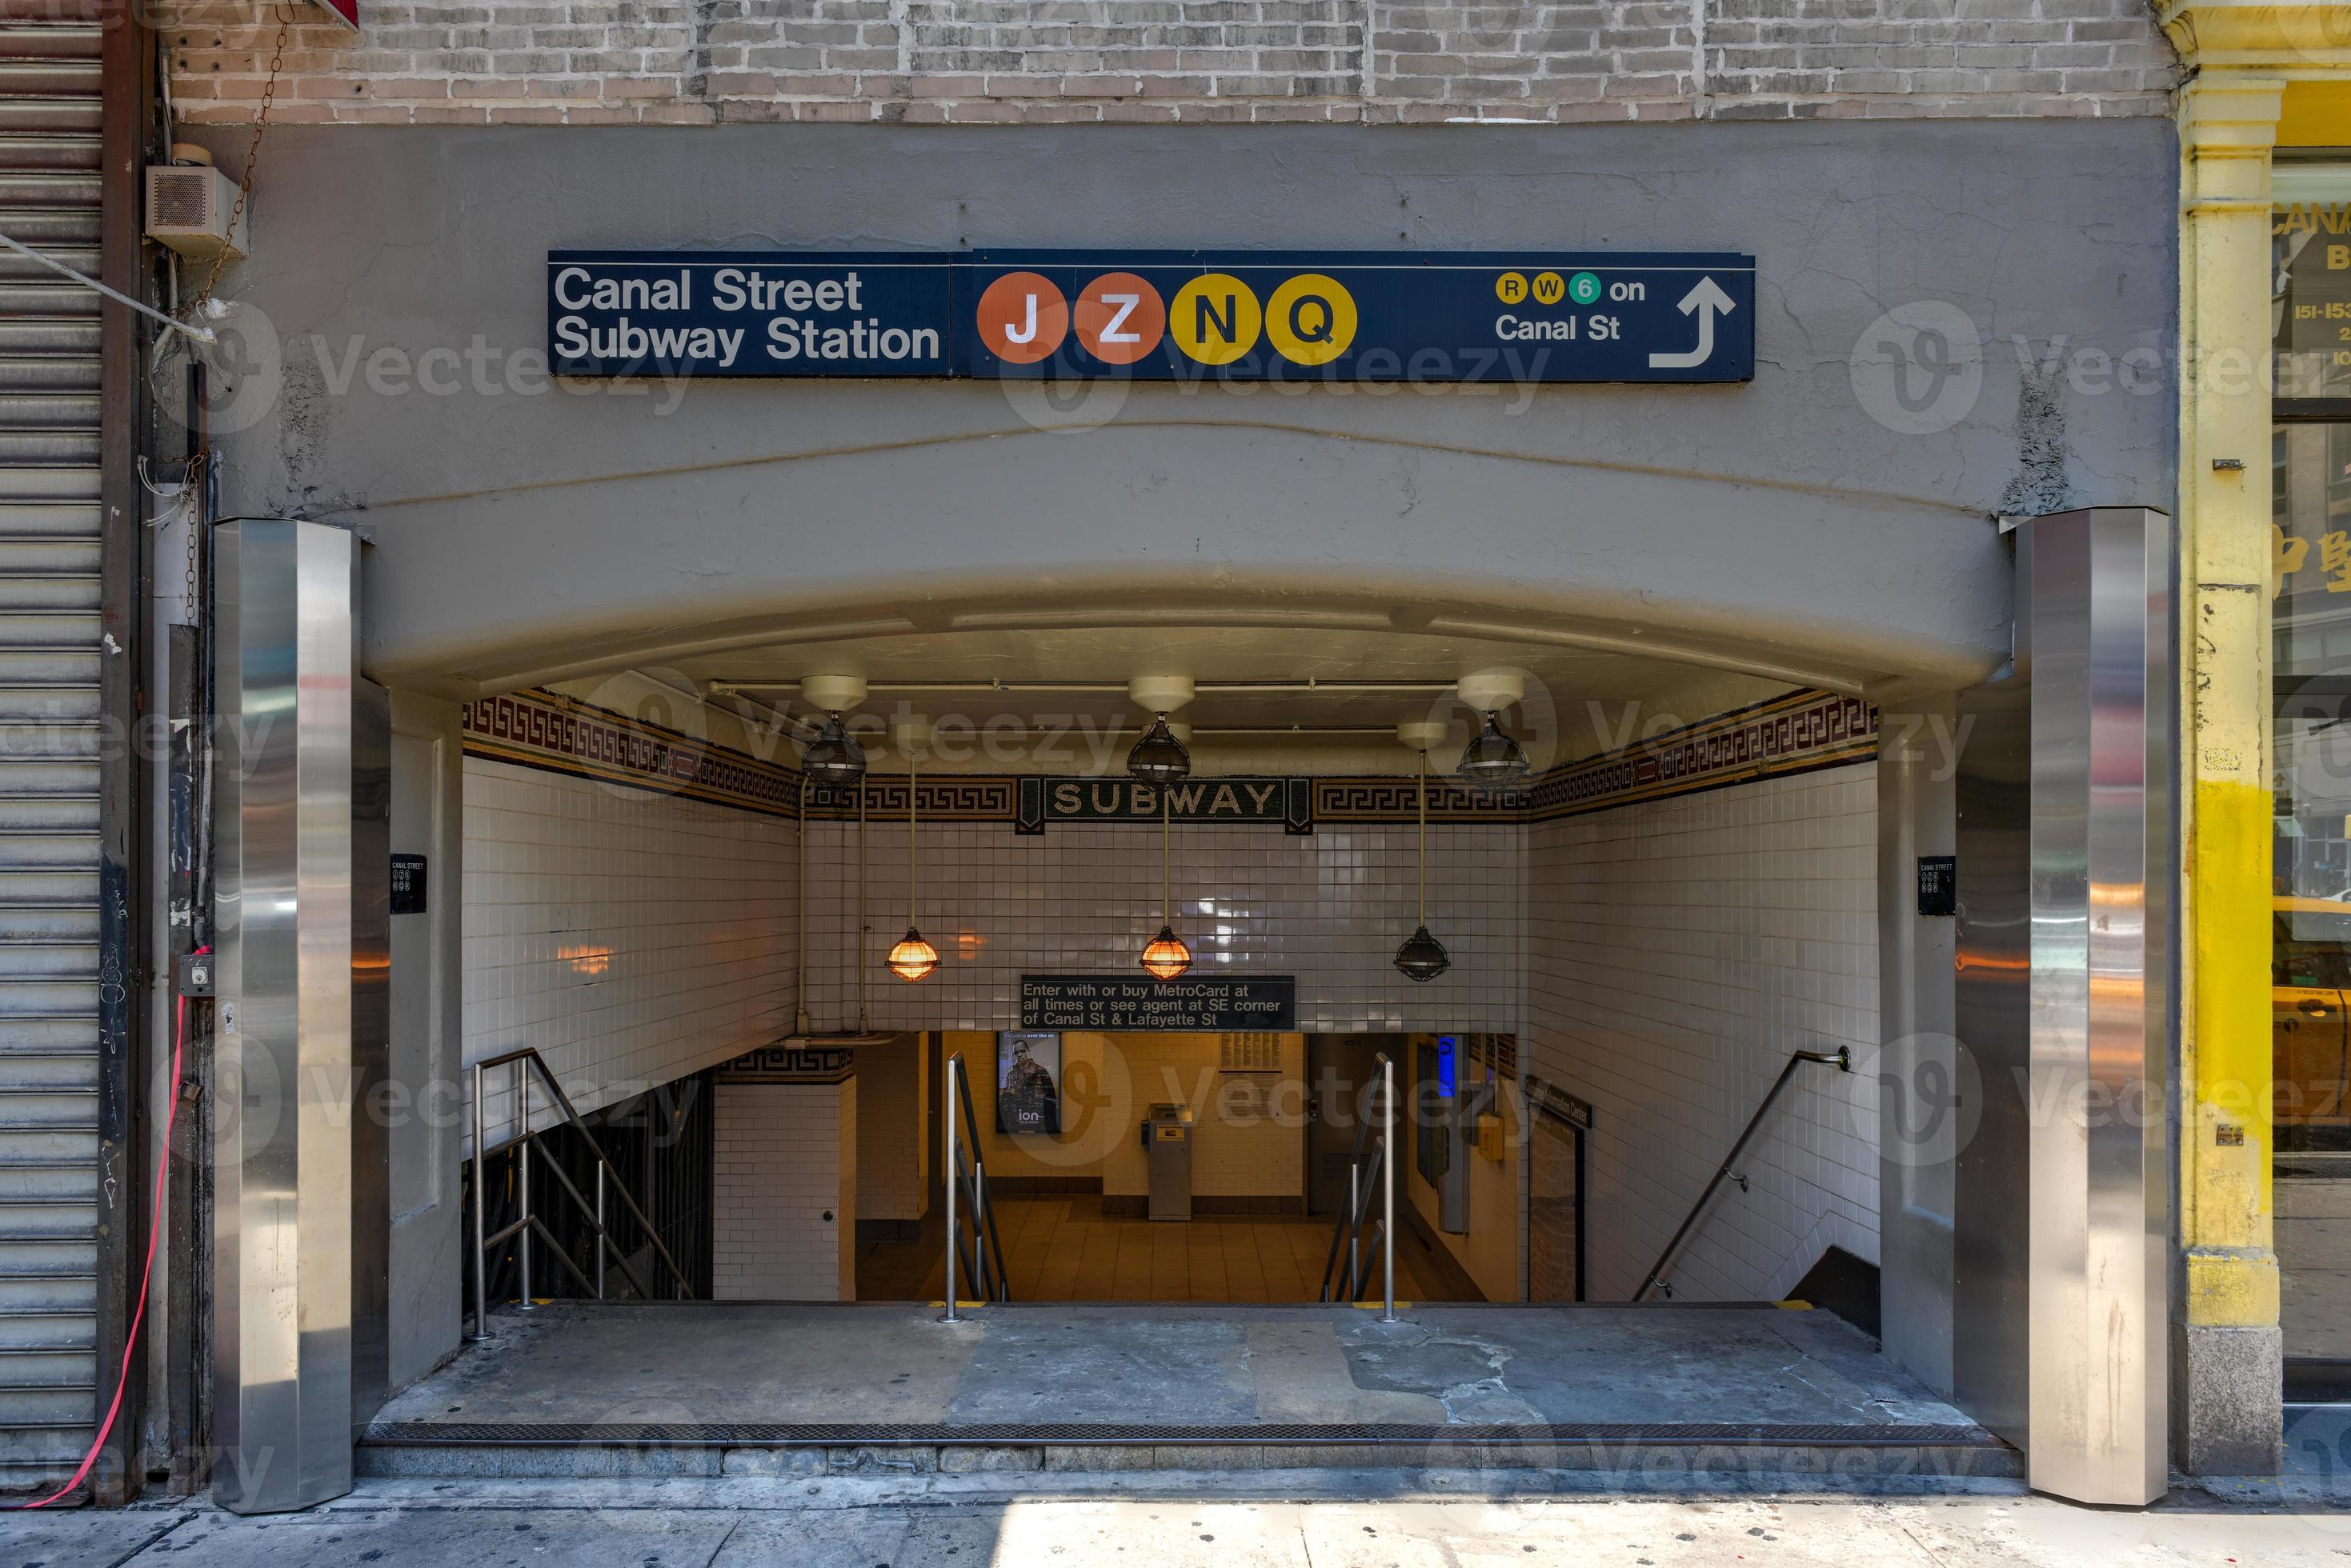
column 49, row 190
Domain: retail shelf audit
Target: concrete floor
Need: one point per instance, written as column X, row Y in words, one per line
column 1456, row 1367
column 1329, row 1519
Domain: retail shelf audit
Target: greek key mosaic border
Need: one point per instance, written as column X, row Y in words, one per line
column 779, row 1063
column 951, row 797
column 1796, row 733
column 548, row 730
column 1369, row 799
column 1790, row 734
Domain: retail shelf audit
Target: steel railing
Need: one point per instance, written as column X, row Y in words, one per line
column 526, row 1062
column 1347, row 1239
column 1842, row 1060
column 982, row 1265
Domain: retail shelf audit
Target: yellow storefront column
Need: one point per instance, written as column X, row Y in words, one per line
column 2254, row 70
column 2227, row 1350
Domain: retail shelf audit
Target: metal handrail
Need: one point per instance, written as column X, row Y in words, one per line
column 527, row 1142
column 1841, row 1062
column 984, row 1269
column 1347, row 1236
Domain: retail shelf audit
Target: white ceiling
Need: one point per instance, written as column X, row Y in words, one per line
column 1087, row 731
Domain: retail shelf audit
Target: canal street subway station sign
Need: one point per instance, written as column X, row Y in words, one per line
column 1167, row 316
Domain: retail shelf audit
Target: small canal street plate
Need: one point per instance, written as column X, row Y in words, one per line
column 1116, row 1004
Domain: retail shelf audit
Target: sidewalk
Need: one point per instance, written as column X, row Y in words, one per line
column 1167, row 1520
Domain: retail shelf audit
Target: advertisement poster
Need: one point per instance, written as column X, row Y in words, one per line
column 1028, row 1082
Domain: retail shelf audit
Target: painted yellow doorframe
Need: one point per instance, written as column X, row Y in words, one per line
column 2262, row 76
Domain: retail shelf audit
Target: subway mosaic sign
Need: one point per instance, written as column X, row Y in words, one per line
column 1162, row 316
column 1286, row 801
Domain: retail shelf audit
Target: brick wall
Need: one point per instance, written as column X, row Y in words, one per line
column 786, row 1159
column 1678, row 951
column 1172, row 61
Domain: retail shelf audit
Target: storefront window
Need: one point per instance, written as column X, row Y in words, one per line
column 2310, row 974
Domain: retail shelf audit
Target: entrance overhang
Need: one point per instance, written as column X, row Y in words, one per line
column 1172, row 522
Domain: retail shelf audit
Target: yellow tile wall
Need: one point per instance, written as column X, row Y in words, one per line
column 1108, row 1084
column 893, row 1155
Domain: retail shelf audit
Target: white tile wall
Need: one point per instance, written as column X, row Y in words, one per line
column 1329, row 908
column 1680, row 951
column 631, row 937
column 785, row 1159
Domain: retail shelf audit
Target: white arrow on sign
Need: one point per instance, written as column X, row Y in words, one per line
column 1704, row 299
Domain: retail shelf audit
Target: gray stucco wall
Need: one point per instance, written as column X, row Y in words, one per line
column 1808, row 522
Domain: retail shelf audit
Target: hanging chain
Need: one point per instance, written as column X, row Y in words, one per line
column 252, row 154
column 195, row 511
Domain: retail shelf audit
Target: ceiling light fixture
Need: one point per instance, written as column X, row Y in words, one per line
column 1492, row 760
column 834, row 757
column 1165, row 957
column 1159, row 758
column 1422, row 957
column 911, row 957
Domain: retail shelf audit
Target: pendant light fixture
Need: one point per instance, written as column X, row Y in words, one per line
column 1422, row 957
column 1491, row 759
column 913, row 957
column 834, row 757
column 1159, row 757
column 1165, row 957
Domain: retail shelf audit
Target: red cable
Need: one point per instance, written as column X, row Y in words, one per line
column 154, row 1228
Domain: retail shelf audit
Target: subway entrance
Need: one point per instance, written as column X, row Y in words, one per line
column 1407, row 1065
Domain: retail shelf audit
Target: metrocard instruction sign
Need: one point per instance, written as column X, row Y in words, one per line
column 1167, row 315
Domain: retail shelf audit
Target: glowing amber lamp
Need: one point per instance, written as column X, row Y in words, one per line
column 1166, row 957
column 913, row 957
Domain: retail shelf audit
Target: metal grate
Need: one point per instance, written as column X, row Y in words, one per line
column 50, row 85
column 698, row 1434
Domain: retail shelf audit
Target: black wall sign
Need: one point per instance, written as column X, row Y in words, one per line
column 1938, row 885
column 408, row 884
column 1116, row 1004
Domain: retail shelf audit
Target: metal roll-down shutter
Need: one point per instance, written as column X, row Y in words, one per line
column 49, row 633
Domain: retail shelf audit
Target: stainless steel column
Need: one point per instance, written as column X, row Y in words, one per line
column 2066, row 969
column 299, row 1245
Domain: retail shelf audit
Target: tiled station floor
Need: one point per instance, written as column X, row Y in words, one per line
column 1067, row 1250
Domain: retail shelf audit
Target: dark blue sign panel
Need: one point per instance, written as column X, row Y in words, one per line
column 1251, row 315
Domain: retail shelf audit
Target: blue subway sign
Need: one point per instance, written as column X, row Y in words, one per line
column 1160, row 316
